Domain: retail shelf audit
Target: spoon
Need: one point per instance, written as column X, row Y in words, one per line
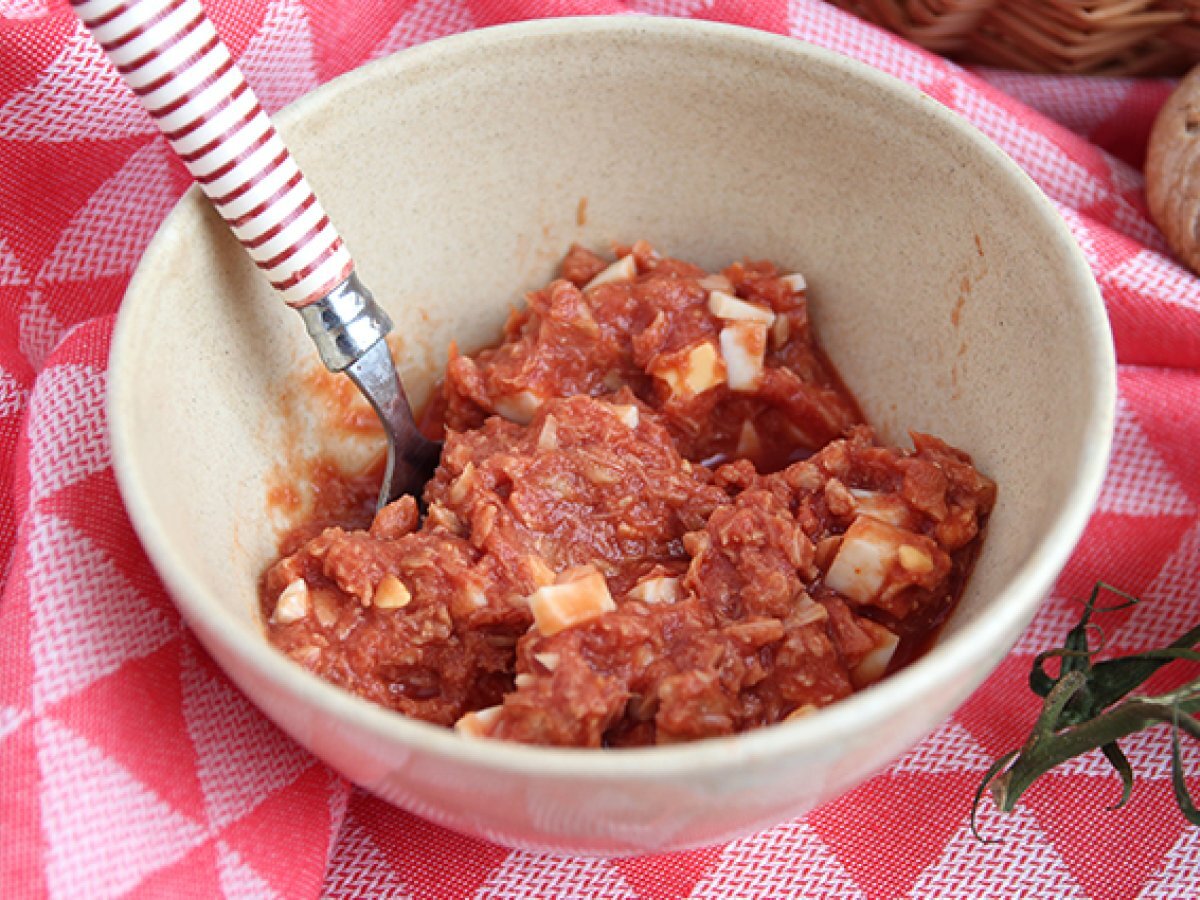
column 169, row 53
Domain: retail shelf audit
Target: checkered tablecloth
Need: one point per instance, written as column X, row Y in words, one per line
column 128, row 763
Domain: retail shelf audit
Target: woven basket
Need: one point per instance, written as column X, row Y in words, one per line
column 1111, row 37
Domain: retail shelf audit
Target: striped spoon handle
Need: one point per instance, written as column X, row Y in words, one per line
column 171, row 56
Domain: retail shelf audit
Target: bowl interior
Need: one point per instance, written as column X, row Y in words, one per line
column 943, row 286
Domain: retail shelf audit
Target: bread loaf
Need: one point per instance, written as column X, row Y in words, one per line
column 1173, row 170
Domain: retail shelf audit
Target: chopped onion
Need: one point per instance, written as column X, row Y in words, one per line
column 727, row 306
column 624, row 269
column 743, row 346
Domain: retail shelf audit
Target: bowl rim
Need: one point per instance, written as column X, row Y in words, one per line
column 1010, row 611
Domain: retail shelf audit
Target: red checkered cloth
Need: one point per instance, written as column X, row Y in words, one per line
column 128, row 763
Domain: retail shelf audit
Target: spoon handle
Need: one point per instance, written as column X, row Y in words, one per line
column 171, row 56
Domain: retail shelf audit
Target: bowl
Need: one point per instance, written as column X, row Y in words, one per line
column 942, row 282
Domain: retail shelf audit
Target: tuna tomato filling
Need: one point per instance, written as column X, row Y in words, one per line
column 658, row 517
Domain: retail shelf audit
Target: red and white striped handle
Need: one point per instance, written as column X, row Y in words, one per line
column 185, row 77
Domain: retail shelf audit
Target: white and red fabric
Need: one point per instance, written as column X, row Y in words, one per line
column 130, row 765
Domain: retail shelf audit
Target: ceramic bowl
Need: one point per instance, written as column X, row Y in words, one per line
column 942, row 282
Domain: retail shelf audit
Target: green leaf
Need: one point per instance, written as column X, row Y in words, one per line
column 988, row 776
column 1117, row 677
column 1105, row 587
column 1178, row 780
column 1091, row 705
column 1116, row 757
column 1042, row 682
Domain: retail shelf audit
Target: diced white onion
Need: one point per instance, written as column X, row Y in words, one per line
column 884, row 507
column 292, row 605
column 628, row 414
column 695, row 372
column 624, row 269
column 743, row 347
column 519, row 407
column 391, row 593
column 479, row 723
column 875, row 663
column 716, row 282
column 800, row 712
column 780, row 332
column 914, row 560
column 869, row 549
column 559, row 606
column 727, row 306
column 663, row 589
column 548, row 437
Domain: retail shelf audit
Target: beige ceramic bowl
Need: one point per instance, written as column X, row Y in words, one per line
column 943, row 284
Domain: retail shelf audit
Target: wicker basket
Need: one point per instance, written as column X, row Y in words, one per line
column 1112, row 37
